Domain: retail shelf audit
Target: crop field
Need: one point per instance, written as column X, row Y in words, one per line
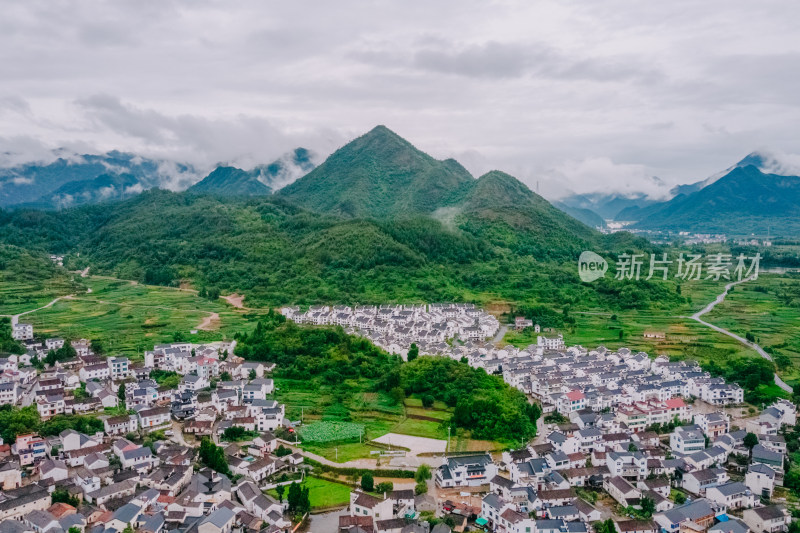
column 376, row 412
column 20, row 293
column 329, row 431
column 744, row 309
column 129, row 318
column 768, row 309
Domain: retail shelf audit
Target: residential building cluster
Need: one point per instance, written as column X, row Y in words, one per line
column 537, row 488
column 396, row 327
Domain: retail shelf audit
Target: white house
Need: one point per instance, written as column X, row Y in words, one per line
column 760, row 479
column 734, row 495
column 22, row 331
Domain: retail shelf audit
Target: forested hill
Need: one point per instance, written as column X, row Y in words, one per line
column 380, row 174
column 418, row 229
column 277, row 253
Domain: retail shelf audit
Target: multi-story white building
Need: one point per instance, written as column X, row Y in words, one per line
column 22, row 331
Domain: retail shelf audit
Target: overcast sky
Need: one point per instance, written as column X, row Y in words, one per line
column 588, row 96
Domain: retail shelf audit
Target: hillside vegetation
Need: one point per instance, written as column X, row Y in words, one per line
column 416, row 229
column 484, row 405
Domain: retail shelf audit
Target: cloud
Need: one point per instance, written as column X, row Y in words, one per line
column 602, row 175
column 556, row 92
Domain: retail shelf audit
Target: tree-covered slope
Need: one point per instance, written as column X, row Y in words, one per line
column 379, row 175
column 230, row 181
column 277, row 253
column 502, row 210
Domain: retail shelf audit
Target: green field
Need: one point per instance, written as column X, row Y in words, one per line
column 769, row 309
column 766, row 307
column 376, row 411
column 129, row 318
column 31, row 281
column 322, row 493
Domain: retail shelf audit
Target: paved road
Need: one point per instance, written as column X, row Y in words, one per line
column 500, row 334
column 707, row 309
column 15, row 318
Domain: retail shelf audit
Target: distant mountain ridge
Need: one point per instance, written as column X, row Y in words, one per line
column 77, row 180
column 39, row 183
column 607, row 206
column 230, row 181
column 744, row 201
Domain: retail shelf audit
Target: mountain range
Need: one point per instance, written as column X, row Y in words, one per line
column 72, row 180
column 354, row 229
column 745, row 199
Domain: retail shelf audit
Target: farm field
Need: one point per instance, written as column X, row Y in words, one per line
column 743, row 310
column 375, row 411
column 26, row 284
column 769, row 309
column 129, row 318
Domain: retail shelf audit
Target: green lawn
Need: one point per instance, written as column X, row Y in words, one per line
column 322, row 493
column 129, row 318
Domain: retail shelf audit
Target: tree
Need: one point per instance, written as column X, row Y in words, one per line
column 386, row 486
column 427, row 400
column 213, row 456
column 397, row 394
column 367, row 482
column 225, row 376
column 121, row 394
column 128, row 529
column 423, row 473
column 280, row 489
column 253, row 374
column 413, row 352
column 750, row 440
column 62, row 495
column 74, row 529
column 282, row 451
column 420, row 488
column 648, row 507
column 680, row 498
column 293, row 499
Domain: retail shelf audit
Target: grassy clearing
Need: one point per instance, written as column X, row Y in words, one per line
column 129, row 318
column 323, row 493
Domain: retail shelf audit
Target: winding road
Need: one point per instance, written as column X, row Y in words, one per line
column 707, row 309
column 15, row 318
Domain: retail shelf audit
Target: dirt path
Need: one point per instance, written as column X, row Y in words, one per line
column 236, row 300
column 710, row 307
column 210, row 322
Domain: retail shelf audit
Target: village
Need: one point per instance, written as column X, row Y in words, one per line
column 627, row 443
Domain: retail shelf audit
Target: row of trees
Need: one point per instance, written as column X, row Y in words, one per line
column 213, row 457
column 297, row 499
column 20, row 420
